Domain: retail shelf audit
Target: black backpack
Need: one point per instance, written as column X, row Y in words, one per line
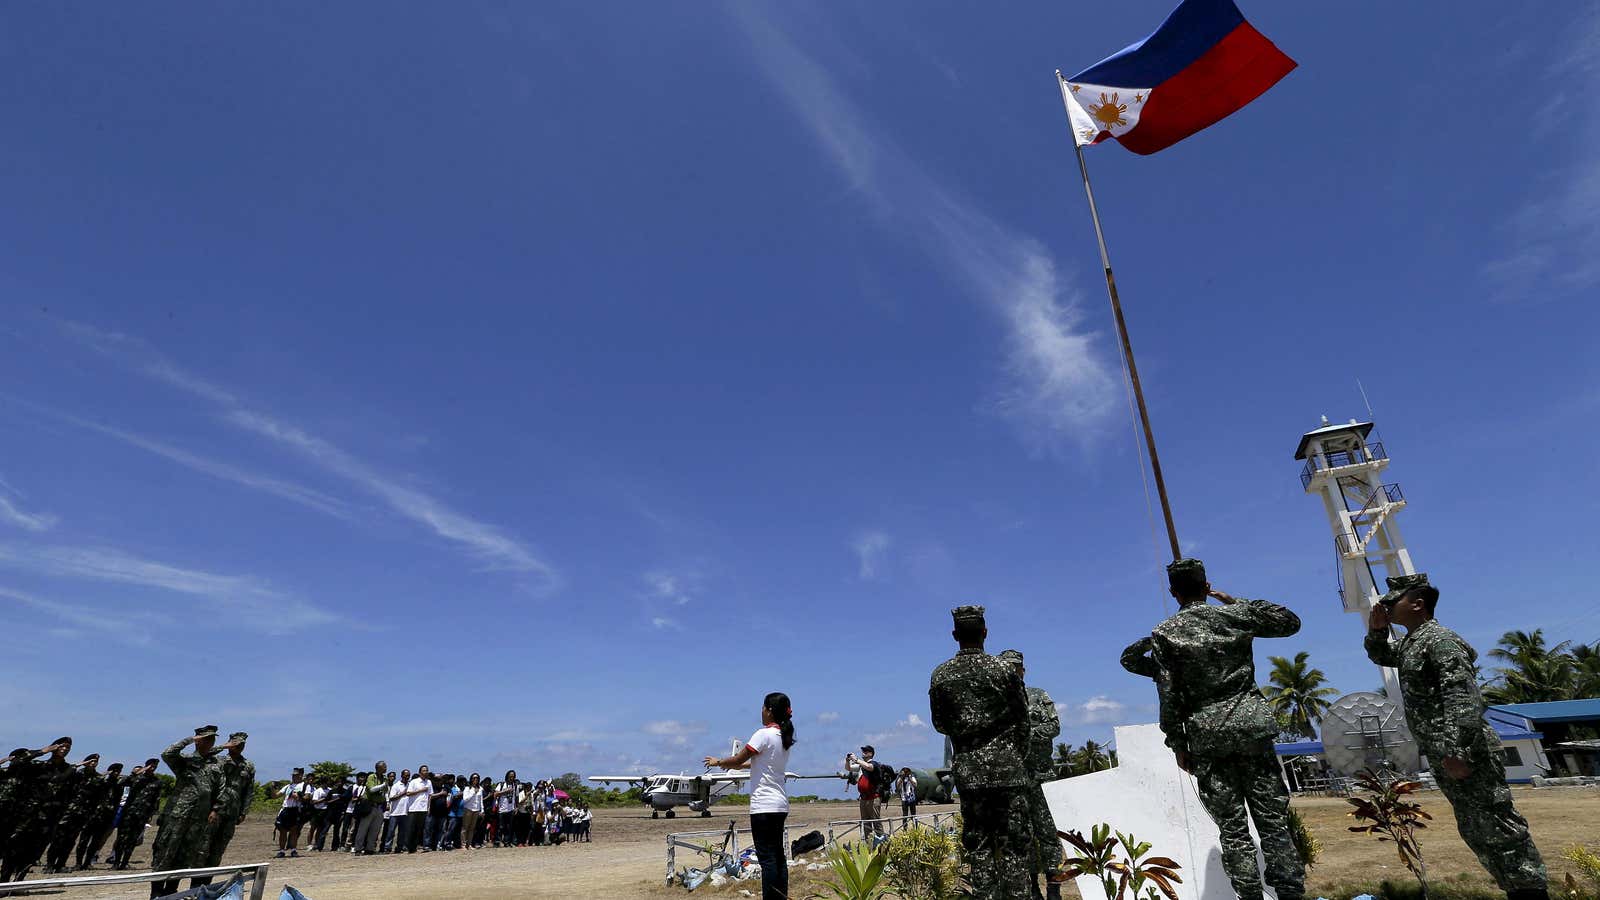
column 805, row 843
column 883, row 779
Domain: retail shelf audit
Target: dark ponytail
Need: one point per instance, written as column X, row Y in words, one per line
column 777, row 703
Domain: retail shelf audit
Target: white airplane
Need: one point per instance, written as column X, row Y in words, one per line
column 664, row 793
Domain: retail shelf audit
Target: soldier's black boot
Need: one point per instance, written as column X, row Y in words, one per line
column 1528, row 894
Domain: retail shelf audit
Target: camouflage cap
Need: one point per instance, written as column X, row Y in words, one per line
column 967, row 614
column 1399, row 584
column 206, row 731
column 1186, row 574
column 1011, row 656
column 93, row 756
column 22, row 751
column 238, row 736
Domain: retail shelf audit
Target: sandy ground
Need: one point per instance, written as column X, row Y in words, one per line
column 628, row 856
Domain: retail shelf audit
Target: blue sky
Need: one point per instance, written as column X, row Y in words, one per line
column 496, row 384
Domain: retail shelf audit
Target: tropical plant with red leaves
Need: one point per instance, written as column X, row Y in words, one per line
column 1391, row 815
column 1135, row 872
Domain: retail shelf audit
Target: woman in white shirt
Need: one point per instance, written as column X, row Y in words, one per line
column 396, row 811
column 766, row 755
column 471, row 810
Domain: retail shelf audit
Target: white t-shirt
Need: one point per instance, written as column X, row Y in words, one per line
column 472, row 799
column 768, row 792
column 319, row 798
column 419, row 802
column 292, row 794
column 397, row 799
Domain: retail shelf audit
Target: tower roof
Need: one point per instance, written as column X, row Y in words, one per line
column 1361, row 429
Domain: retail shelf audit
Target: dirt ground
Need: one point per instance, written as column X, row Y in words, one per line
column 627, row 858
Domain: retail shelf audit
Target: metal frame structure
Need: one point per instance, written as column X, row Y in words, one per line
column 255, row 874
column 713, row 854
column 843, row 829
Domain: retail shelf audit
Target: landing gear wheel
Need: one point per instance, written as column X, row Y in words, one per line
column 671, row 814
column 654, row 814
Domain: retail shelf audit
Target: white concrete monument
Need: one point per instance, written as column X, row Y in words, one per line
column 1148, row 797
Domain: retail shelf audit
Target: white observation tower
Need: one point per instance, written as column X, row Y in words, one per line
column 1347, row 471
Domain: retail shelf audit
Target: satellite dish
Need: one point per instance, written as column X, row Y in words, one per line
column 1365, row 730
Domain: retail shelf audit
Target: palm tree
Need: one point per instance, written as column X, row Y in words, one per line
column 1298, row 694
column 1065, row 767
column 1532, row 673
column 1586, row 660
column 1091, row 757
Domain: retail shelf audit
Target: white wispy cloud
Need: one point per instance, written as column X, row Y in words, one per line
column 487, row 543
column 287, row 490
column 1060, row 385
column 675, row 588
column 12, row 514
column 244, row 597
column 871, row 548
column 122, row 626
column 827, row 718
column 1097, row 710
column 665, row 623
column 674, row 727
column 913, row 729
column 1553, row 246
column 493, row 547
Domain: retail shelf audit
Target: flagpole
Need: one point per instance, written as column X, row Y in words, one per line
column 1122, row 332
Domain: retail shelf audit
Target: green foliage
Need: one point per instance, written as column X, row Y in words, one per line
column 1091, row 757
column 859, row 873
column 168, row 785
column 1135, row 872
column 1588, row 862
column 568, row 781
column 338, row 771
column 1532, row 672
column 1393, row 817
column 1298, row 694
column 925, row 864
column 1306, row 845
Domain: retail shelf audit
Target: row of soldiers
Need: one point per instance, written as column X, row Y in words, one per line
column 1220, row 729
column 48, row 806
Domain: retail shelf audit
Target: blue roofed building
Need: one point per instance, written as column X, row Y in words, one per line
column 1562, row 725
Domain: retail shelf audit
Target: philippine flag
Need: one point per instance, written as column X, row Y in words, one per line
column 1203, row 64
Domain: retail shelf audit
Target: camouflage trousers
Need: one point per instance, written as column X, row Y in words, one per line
column 130, row 834
column 217, row 843
column 1046, row 845
column 1236, row 788
column 997, row 834
column 1491, row 826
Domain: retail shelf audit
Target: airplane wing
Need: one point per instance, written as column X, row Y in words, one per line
column 792, row 775
column 608, row 779
column 725, row 776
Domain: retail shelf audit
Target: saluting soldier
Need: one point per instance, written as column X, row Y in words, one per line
column 82, row 798
column 13, row 791
column 186, row 821
column 978, row 702
column 102, row 818
column 1439, row 681
column 144, row 795
column 45, row 787
column 1219, row 725
column 1044, row 724
column 237, row 789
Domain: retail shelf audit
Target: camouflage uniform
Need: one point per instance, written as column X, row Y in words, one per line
column 144, row 793
column 1044, row 724
column 181, row 841
column 97, row 827
column 1202, row 660
column 13, row 790
column 1439, row 681
column 979, row 702
column 237, row 788
column 47, row 785
column 84, row 798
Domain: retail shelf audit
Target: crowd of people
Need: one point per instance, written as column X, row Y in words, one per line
column 384, row 812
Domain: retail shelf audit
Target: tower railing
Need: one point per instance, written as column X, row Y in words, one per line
column 1336, row 459
column 1353, row 542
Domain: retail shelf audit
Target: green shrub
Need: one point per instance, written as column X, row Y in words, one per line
column 1306, row 844
column 925, row 864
